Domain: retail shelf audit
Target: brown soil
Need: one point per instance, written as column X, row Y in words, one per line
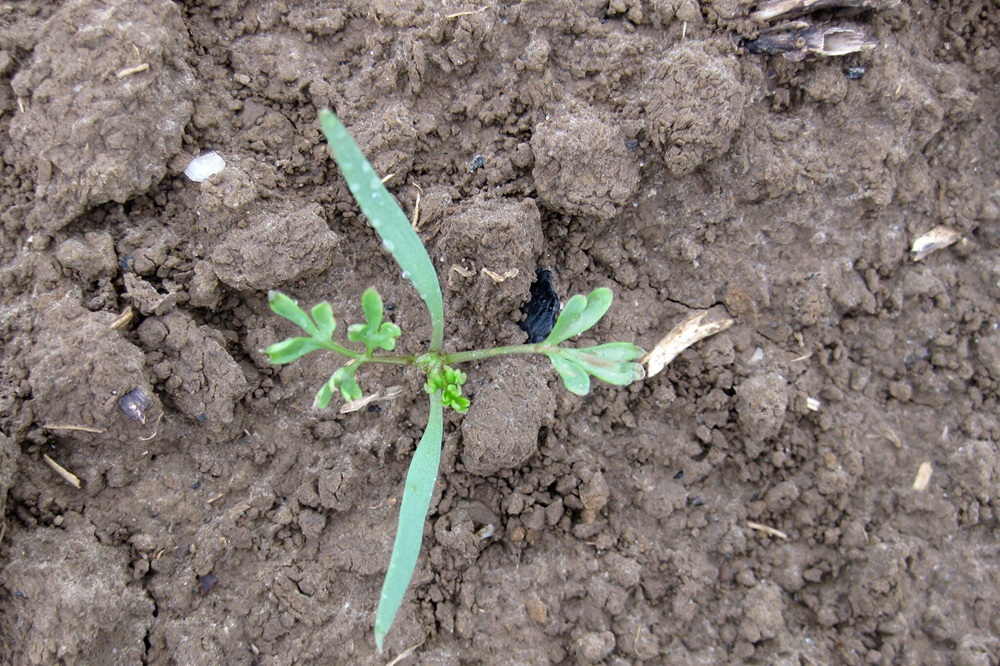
column 629, row 144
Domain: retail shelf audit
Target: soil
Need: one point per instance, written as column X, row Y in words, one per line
column 754, row 503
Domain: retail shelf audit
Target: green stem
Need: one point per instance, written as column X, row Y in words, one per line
column 393, row 360
column 480, row 354
column 455, row 358
column 344, row 351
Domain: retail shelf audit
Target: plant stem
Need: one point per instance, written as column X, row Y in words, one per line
column 343, row 351
column 455, row 358
column 479, row 354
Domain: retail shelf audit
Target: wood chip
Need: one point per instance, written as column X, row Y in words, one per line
column 416, row 209
column 67, row 475
column 466, row 13
column 923, row 477
column 936, row 239
column 404, row 654
column 766, row 530
column 80, row 428
column 355, row 405
column 693, row 329
column 129, row 71
column 123, row 320
column 497, row 277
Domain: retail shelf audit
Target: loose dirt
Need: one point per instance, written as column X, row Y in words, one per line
column 752, row 503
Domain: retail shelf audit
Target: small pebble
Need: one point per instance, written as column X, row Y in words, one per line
column 205, row 166
column 207, row 583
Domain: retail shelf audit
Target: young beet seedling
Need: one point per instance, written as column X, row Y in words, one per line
column 614, row 362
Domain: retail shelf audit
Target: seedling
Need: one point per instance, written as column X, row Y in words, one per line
column 613, row 362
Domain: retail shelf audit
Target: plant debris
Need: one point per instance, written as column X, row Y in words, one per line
column 789, row 9
column 696, row 327
column 67, row 475
column 938, row 238
column 541, row 310
column 797, row 40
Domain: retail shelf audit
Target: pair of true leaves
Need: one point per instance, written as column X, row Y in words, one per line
column 613, row 362
column 320, row 326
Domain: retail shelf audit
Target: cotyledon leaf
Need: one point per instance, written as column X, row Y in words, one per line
column 388, row 220
column 417, row 495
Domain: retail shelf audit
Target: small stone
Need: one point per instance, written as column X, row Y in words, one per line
column 595, row 646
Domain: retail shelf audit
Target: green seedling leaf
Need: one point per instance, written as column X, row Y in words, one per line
column 388, row 220
column 449, row 381
column 417, row 495
column 286, row 307
column 344, row 380
column 322, row 314
column 581, row 313
column 613, row 363
column 574, row 377
column 374, row 334
column 291, row 349
column 324, row 395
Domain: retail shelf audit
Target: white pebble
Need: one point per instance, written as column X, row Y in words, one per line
column 204, row 166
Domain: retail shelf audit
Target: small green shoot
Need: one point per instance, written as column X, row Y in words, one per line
column 615, row 363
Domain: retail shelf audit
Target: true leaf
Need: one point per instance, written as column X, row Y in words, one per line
column 322, row 314
column 324, row 395
column 343, row 380
column 284, row 306
column 290, row 350
column 581, row 313
column 374, row 334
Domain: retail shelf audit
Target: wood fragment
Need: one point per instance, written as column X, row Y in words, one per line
column 798, row 40
column 766, row 530
column 123, row 320
column 416, row 209
column 67, row 475
column 355, row 405
column 938, row 238
column 789, row 9
column 129, row 71
column 156, row 429
column 923, row 477
column 68, row 426
column 466, row 13
column 497, row 277
column 404, row 654
column 691, row 330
